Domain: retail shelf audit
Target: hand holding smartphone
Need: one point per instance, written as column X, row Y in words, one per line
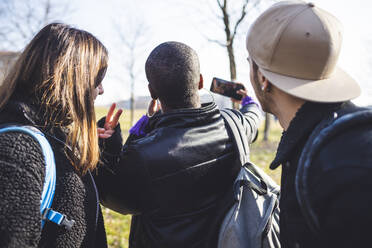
column 227, row 88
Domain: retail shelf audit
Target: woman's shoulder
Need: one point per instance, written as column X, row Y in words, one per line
column 21, row 151
column 21, row 178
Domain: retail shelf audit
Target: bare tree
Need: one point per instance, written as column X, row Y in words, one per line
column 133, row 43
column 231, row 22
column 231, row 30
column 232, row 19
column 21, row 20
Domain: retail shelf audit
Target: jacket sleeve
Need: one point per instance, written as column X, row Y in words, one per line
column 22, row 170
column 118, row 184
column 114, row 177
column 253, row 115
column 250, row 117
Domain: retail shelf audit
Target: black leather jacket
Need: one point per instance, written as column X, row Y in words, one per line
column 175, row 177
column 340, row 185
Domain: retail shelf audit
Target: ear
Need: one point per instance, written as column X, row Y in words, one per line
column 264, row 82
column 152, row 92
column 266, row 85
column 201, row 82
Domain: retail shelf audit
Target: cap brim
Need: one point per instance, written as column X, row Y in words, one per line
column 338, row 88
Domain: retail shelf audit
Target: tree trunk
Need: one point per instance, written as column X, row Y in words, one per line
column 230, row 51
column 267, row 126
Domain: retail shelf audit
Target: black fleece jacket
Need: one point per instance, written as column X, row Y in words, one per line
column 22, row 170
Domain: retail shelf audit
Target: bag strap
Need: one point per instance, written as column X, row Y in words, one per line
column 323, row 132
column 90, row 175
column 241, row 142
column 239, row 136
column 50, row 176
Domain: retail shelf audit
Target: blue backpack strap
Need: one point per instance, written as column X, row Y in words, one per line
column 50, row 176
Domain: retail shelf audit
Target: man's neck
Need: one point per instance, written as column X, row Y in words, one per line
column 286, row 110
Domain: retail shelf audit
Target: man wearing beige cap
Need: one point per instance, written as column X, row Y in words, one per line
column 326, row 147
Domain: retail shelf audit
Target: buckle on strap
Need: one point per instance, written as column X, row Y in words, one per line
column 57, row 218
column 67, row 223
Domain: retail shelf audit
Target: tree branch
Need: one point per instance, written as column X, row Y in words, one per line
column 219, row 4
column 242, row 15
column 226, row 21
column 20, row 20
column 244, row 12
column 217, row 42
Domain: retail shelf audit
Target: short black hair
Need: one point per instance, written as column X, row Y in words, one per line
column 173, row 71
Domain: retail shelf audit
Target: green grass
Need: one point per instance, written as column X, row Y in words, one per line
column 262, row 153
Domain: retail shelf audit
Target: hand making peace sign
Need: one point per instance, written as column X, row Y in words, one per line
column 110, row 123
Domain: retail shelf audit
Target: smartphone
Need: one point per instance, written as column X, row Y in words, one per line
column 226, row 88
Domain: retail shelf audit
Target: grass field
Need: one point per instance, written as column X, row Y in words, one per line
column 262, row 153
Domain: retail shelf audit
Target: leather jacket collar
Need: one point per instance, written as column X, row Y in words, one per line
column 182, row 117
column 301, row 126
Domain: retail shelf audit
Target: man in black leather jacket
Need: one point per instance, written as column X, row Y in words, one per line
column 174, row 174
column 293, row 49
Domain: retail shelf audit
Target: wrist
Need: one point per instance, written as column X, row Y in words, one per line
column 139, row 128
column 247, row 100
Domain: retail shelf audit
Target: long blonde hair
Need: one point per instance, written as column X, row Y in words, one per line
column 58, row 70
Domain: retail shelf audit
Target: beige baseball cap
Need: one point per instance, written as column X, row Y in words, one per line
column 296, row 45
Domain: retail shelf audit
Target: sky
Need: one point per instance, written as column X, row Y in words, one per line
column 192, row 22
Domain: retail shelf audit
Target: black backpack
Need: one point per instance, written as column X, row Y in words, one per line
column 323, row 132
column 253, row 219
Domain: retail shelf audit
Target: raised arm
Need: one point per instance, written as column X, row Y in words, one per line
column 252, row 115
column 116, row 182
column 114, row 177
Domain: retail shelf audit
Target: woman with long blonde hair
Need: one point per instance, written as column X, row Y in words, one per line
column 52, row 86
